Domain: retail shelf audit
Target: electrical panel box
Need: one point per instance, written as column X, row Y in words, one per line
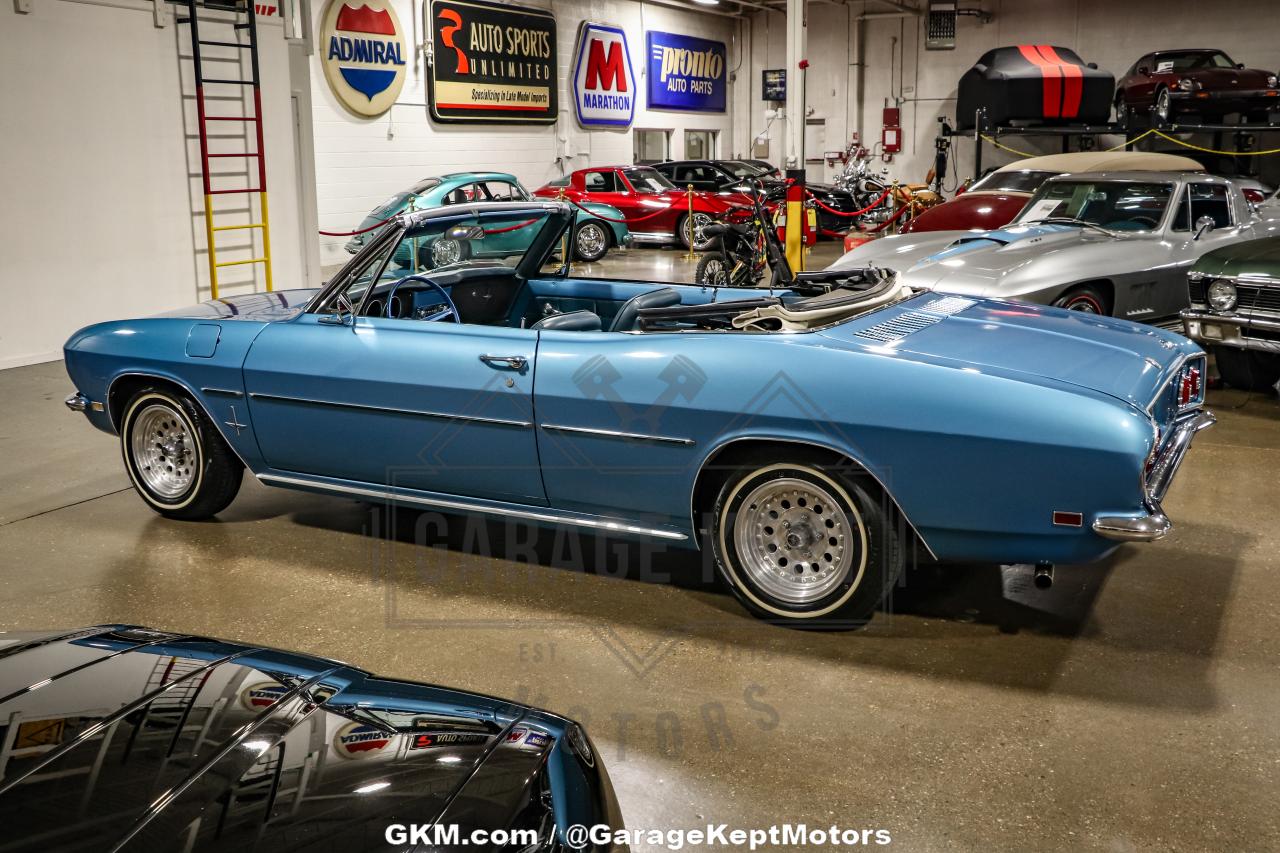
column 940, row 25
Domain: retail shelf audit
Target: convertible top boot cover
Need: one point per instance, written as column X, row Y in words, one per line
column 1036, row 84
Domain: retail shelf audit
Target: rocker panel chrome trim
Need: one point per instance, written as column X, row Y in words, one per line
column 463, row 505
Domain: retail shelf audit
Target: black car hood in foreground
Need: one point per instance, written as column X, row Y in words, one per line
column 122, row 738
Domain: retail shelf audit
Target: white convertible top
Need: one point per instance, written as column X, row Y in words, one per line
column 1105, row 161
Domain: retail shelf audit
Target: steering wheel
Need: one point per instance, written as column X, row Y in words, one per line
column 450, row 313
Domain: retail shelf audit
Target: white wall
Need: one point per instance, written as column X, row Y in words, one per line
column 362, row 162
column 1109, row 33
column 102, row 204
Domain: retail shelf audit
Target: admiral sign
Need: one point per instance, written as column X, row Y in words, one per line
column 604, row 86
column 363, row 52
column 360, row 740
column 492, row 63
column 685, row 73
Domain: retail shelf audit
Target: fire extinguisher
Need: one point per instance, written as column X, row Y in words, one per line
column 891, row 132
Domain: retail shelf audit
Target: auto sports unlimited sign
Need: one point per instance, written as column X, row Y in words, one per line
column 604, row 86
column 685, row 73
column 363, row 52
column 492, row 63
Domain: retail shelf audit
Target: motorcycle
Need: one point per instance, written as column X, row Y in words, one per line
column 858, row 180
column 747, row 249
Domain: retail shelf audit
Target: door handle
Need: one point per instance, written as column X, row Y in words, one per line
column 513, row 362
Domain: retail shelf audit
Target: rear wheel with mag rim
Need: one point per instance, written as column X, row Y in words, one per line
column 806, row 543
column 590, row 242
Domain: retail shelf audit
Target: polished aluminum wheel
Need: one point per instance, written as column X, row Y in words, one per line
column 163, row 451
column 699, row 238
column 591, row 242
column 446, row 252
column 794, row 540
column 1164, row 106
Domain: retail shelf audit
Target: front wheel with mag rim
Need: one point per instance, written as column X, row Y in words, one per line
column 178, row 462
column 806, row 544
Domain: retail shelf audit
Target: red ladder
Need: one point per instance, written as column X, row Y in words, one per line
column 245, row 20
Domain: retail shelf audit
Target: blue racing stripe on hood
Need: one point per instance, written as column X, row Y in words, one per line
column 999, row 237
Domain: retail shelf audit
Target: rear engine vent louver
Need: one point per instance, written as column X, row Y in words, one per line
column 910, row 322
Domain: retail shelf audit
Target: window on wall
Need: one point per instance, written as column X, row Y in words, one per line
column 652, row 146
column 699, row 144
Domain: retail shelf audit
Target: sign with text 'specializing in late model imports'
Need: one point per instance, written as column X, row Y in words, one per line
column 685, row 73
column 492, row 63
column 362, row 49
column 604, row 85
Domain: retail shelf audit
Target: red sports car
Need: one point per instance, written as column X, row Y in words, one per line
column 1206, row 83
column 640, row 193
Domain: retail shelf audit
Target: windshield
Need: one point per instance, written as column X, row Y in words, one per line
column 647, row 180
column 1021, row 181
column 493, row 239
column 739, row 169
column 1115, row 205
column 1191, row 61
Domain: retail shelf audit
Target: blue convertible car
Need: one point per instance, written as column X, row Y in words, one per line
column 810, row 436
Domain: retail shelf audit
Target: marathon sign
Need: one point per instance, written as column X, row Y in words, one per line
column 685, row 73
column 604, row 84
column 492, row 63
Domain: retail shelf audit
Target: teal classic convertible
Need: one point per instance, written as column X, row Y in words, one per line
column 812, row 435
column 597, row 227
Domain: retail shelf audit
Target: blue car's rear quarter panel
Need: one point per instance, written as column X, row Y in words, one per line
column 978, row 461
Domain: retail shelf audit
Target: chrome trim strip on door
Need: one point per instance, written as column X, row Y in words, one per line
column 613, row 433
column 224, row 391
column 418, row 412
column 462, row 505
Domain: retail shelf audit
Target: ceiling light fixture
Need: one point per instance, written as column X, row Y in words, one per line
column 707, row 2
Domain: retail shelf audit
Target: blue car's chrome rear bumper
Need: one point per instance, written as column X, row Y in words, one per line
column 1155, row 524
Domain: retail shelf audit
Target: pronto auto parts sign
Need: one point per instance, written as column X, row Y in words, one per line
column 685, row 73
column 492, row 63
column 604, row 86
column 363, row 52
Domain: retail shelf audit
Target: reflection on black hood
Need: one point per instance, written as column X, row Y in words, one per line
column 122, row 738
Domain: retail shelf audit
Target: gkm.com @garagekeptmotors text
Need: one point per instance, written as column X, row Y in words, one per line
column 789, row 836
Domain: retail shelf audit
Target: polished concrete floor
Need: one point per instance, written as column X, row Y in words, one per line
column 1132, row 707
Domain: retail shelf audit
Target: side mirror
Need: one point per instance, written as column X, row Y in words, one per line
column 1093, row 65
column 465, row 232
column 1144, row 71
column 1204, row 225
column 344, row 316
column 1240, row 65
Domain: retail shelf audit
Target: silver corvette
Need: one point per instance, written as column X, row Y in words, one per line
column 1117, row 243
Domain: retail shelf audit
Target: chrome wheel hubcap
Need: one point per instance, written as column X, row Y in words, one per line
column 590, row 241
column 163, row 451
column 445, row 252
column 794, row 540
